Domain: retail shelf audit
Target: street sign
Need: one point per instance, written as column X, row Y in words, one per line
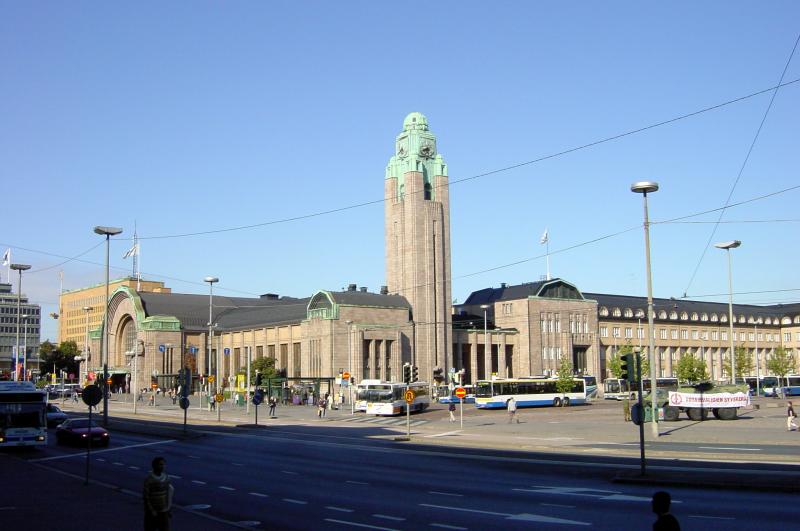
column 258, row 398
column 193, row 350
column 461, row 392
column 91, row 375
column 409, row 396
column 227, row 351
column 184, row 402
column 91, row 395
column 109, row 381
column 346, row 375
column 211, row 379
column 162, row 348
column 154, row 386
column 219, row 397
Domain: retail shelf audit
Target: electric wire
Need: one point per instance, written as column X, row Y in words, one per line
column 744, row 164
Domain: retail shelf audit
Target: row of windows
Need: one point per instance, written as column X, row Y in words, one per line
column 13, row 320
column 25, row 310
column 685, row 316
column 698, row 335
column 33, row 330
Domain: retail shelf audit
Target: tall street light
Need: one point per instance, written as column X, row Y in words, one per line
column 350, row 365
column 25, row 346
column 210, row 281
column 733, row 244
column 86, row 354
column 644, row 188
column 20, row 268
column 107, row 232
column 486, row 353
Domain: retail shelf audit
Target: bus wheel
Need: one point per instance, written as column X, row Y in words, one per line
column 727, row 413
column 697, row 413
column 565, row 402
column 556, row 402
column 671, row 413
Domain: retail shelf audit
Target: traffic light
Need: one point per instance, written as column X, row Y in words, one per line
column 414, row 373
column 627, row 368
column 437, row 374
column 258, row 378
column 406, row 373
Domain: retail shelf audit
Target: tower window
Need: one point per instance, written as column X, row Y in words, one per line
column 427, row 191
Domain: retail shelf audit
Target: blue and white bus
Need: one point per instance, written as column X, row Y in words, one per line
column 528, row 392
column 792, row 387
column 451, row 397
column 591, row 386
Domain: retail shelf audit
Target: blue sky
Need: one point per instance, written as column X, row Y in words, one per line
column 185, row 117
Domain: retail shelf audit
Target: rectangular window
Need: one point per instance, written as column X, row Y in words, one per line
column 604, row 331
column 296, row 356
column 714, row 335
column 787, row 336
column 674, row 333
column 640, row 333
column 684, row 334
column 736, row 336
column 628, row 331
column 752, row 336
column 663, row 332
column 615, row 331
column 695, row 334
column 558, row 324
column 724, row 335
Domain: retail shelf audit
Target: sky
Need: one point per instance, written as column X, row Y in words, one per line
column 197, row 117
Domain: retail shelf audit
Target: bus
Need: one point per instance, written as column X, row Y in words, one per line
column 769, row 385
column 616, row 389
column 23, row 418
column 389, row 398
column 361, row 392
column 495, row 394
column 591, row 386
column 792, row 387
column 451, row 398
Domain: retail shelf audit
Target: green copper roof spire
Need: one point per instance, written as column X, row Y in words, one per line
column 415, row 150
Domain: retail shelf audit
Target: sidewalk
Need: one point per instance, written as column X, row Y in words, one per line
column 44, row 498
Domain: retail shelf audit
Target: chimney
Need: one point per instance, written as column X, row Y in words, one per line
column 384, row 290
column 363, row 289
column 351, row 287
column 503, row 285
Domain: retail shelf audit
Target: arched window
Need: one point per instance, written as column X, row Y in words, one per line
column 640, row 313
column 628, row 312
column 714, row 318
column 616, row 312
column 723, row 318
column 684, row 316
column 673, row 314
column 786, row 320
column 797, row 319
column 662, row 314
column 704, row 317
column 604, row 311
column 742, row 319
column 428, row 191
column 694, row 316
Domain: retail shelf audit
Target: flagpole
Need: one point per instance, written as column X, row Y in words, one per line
column 548, row 257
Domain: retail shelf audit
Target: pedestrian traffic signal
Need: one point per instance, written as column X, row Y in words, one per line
column 414, row 373
column 258, row 379
column 406, row 373
column 627, row 368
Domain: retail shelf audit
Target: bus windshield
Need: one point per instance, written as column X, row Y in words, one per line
column 483, row 389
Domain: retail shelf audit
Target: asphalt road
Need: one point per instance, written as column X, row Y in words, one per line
column 339, row 477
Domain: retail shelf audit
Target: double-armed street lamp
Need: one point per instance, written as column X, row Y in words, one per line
column 107, row 232
column 727, row 246
column 644, row 188
column 19, row 268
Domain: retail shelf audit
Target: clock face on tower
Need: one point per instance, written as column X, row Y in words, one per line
column 427, row 149
column 402, row 148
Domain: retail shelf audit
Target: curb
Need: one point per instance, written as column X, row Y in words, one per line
column 735, row 482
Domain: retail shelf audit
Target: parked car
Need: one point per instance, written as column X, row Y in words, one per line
column 55, row 416
column 76, row 431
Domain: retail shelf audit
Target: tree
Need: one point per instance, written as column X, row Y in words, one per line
column 265, row 367
column 644, row 362
column 61, row 358
column 565, row 380
column 744, row 363
column 615, row 362
column 691, row 368
column 781, row 362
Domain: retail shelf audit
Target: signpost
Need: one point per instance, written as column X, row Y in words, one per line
column 258, row 397
column 460, row 394
column 346, row 377
column 409, row 396
column 91, row 396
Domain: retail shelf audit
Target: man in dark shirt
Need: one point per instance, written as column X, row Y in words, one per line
column 665, row 521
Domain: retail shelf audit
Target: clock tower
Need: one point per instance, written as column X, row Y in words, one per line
column 417, row 203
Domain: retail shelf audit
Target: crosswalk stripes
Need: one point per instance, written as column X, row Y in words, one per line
column 384, row 421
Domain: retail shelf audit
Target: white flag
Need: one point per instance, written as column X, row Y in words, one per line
column 133, row 251
column 543, row 239
column 7, row 257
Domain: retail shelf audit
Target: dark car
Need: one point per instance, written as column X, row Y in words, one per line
column 76, row 431
column 55, row 416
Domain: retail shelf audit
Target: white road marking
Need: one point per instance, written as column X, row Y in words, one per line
column 712, row 517
column 289, row 472
column 444, row 493
column 340, row 509
column 101, row 459
column 387, row 517
column 445, row 434
column 557, row 505
column 197, row 481
column 356, row 524
column 298, row 502
column 237, row 464
column 726, row 448
column 7, row 508
column 258, row 494
column 552, row 438
column 356, row 482
column 132, row 467
column 522, row 517
column 192, row 457
column 248, row 523
column 226, row 488
column 118, row 463
column 83, row 454
column 445, row 526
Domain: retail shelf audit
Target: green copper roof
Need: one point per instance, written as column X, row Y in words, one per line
column 415, row 150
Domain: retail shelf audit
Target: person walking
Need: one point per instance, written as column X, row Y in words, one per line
column 157, row 495
column 512, row 410
column 791, row 417
column 321, row 408
column 272, row 405
column 626, row 408
column 665, row 521
column 452, row 409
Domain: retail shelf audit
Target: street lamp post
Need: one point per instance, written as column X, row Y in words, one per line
column 486, row 353
column 210, row 281
column 107, row 232
column 644, row 188
column 25, row 346
column 758, row 369
column 20, row 268
column 350, row 365
column 733, row 244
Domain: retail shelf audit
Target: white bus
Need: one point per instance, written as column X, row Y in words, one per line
column 23, row 419
column 361, row 392
column 528, row 392
column 389, row 398
column 619, row 389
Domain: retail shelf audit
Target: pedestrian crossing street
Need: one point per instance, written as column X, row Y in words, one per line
column 383, row 421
